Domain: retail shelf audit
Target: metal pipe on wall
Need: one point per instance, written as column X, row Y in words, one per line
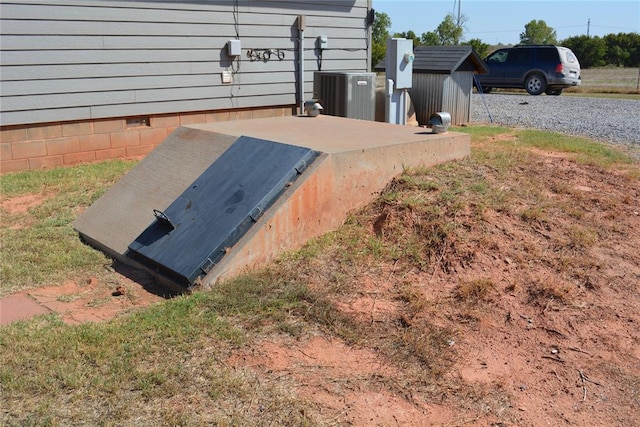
column 301, row 26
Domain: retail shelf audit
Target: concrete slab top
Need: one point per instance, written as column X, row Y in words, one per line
column 324, row 133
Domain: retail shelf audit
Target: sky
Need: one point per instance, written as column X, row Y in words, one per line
column 502, row 21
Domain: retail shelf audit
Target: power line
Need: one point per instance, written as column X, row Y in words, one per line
column 631, row 30
column 561, row 27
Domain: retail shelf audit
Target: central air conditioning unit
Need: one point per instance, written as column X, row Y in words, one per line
column 346, row 94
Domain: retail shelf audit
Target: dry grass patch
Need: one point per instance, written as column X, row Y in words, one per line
column 608, row 80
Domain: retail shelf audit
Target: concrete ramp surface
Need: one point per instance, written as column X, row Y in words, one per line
column 112, row 222
column 214, row 199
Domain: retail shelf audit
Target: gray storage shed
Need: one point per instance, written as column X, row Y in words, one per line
column 443, row 81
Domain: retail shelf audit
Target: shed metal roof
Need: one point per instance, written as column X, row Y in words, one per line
column 444, row 60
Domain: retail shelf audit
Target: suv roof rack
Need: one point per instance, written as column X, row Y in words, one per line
column 535, row 45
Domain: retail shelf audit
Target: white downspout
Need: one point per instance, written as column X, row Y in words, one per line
column 404, row 98
column 301, row 25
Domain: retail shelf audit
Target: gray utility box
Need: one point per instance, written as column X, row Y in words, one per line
column 346, row 94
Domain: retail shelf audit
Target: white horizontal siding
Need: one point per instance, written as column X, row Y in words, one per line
column 70, row 86
column 94, row 71
column 331, row 8
column 21, row 58
column 25, row 43
column 66, row 100
column 141, row 109
column 83, row 59
column 220, row 16
column 185, row 69
column 48, row 85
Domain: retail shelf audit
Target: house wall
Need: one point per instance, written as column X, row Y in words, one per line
column 68, row 67
column 46, row 145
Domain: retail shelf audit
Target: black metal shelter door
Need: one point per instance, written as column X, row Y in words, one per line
column 195, row 231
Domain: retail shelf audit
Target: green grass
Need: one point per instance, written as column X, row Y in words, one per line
column 586, row 150
column 52, row 373
column 78, row 181
column 39, row 245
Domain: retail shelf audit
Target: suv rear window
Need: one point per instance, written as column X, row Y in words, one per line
column 571, row 57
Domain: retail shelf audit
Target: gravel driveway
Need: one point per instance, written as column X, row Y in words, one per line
column 607, row 120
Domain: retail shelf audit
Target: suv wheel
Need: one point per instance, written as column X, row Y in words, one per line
column 535, row 84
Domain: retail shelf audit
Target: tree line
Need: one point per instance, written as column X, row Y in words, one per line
column 622, row 49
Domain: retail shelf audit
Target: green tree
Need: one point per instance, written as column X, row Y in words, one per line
column 633, row 40
column 481, row 48
column 430, row 39
column 449, row 31
column 538, row 32
column 623, row 49
column 589, row 50
column 379, row 37
column 409, row 35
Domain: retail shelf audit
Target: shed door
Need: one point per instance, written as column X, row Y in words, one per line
column 191, row 236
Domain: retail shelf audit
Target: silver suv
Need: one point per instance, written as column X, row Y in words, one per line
column 536, row 68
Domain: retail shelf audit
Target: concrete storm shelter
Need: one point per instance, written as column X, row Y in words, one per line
column 212, row 200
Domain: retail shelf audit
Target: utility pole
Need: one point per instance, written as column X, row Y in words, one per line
column 454, row 10
column 588, row 26
column 458, row 22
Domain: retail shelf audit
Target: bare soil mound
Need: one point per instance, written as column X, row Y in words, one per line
column 493, row 296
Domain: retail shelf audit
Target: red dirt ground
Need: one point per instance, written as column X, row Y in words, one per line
column 91, row 301
column 535, row 350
